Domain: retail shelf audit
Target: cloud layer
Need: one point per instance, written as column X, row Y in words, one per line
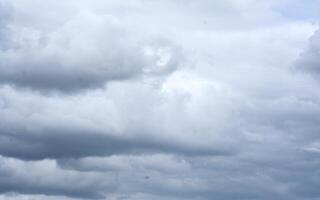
column 159, row 100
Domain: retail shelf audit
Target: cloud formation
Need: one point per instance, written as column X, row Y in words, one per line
column 87, row 51
column 159, row 100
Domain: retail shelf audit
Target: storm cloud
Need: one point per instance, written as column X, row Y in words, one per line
column 159, row 100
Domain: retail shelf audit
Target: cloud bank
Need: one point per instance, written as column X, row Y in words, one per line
column 159, row 100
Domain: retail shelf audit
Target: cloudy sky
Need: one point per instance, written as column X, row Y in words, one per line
column 159, row 99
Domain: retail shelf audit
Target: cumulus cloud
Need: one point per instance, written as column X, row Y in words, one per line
column 37, row 131
column 158, row 100
column 87, row 51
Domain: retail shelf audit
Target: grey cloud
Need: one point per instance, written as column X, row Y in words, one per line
column 52, row 128
column 309, row 61
column 164, row 163
column 235, row 122
column 86, row 52
column 258, row 173
column 15, row 196
column 272, row 132
column 45, row 178
column 5, row 18
column 77, row 143
column 204, row 181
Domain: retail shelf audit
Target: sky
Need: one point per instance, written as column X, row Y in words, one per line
column 159, row 99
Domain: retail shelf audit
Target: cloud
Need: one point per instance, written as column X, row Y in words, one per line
column 158, row 100
column 309, row 61
column 164, row 163
column 38, row 131
column 5, row 17
column 260, row 174
column 45, row 178
column 87, row 51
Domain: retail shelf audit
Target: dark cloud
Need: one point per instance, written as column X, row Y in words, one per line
column 258, row 174
column 163, row 163
column 78, row 143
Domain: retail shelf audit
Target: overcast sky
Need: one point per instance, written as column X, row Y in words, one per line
column 160, row 99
